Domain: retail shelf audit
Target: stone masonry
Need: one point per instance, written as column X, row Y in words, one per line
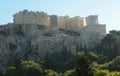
column 92, row 19
column 26, row 17
column 53, row 22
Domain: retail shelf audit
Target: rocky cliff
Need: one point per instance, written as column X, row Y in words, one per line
column 32, row 42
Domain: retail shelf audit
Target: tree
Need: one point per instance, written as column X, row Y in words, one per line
column 30, row 68
column 109, row 39
column 84, row 66
column 108, row 46
column 70, row 73
column 115, row 64
column 50, row 72
column 60, row 61
column 11, row 71
column 1, row 73
column 115, row 32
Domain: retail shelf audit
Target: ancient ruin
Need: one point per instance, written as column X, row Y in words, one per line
column 30, row 17
column 33, row 35
column 74, row 24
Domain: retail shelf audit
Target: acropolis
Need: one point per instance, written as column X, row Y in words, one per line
column 37, row 34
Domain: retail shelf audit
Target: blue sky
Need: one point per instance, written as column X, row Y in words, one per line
column 108, row 10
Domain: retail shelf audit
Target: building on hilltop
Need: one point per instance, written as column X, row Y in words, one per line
column 74, row 24
column 30, row 17
column 63, row 22
column 53, row 23
column 92, row 25
column 93, row 32
column 90, row 35
column 92, row 19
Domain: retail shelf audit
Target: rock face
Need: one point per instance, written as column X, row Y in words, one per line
column 12, row 46
column 33, row 35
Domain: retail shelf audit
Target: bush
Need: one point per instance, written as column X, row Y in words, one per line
column 60, row 61
column 84, row 67
column 11, row 71
column 114, row 74
column 115, row 64
column 106, row 73
column 1, row 73
column 101, row 73
column 70, row 73
column 30, row 68
column 92, row 56
column 50, row 72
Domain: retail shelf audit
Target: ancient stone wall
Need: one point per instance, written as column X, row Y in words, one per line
column 75, row 23
column 89, row 39
column 97, row 28
column 92, row 35
column 63, row 22
column 29, row 17
column 91, row 20
column 53, row 22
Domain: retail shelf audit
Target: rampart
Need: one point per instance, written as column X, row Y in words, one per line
column 62, row 22
column 30, row 17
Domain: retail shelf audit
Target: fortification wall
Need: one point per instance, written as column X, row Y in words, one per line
column 75, row 23
column 53, row 22
column 98, row 28
column 92, row 19
column 29, row 17
column 90, row 39
column 63, row 22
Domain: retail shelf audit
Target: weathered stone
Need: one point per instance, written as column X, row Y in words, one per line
column 75, row 23
column 53, row 23
column 92, row 20
column 27, row 17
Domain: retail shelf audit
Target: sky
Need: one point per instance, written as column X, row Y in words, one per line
column 108, row 11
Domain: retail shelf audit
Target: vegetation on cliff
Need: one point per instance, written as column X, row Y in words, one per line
column 103, row 60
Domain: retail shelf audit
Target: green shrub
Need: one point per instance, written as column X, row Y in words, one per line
column 114, row 74
column 101, row 73
column 50, row 72
column 30, row 68
column 1, row 73
column 115, row 64
column 106, row 73
column 70, row 73
column 84, row 67
column 60, row 61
